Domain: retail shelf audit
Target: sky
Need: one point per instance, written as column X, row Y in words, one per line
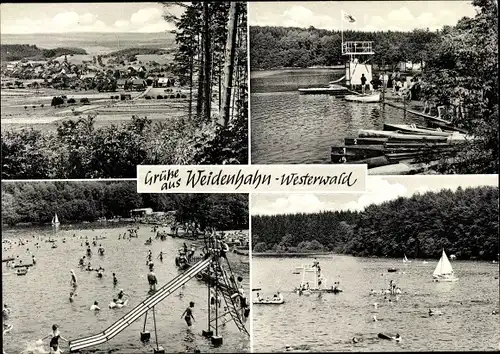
column 379, row 190
column 30, row 18
column 368, row 15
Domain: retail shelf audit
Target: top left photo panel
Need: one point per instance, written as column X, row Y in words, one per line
column 91, row 90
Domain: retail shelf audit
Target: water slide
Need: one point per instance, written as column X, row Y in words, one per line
column 140, row 309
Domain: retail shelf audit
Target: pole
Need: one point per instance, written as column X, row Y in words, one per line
column 216, row 299
column 145, row 319
column 342, row 29
column 156, row 333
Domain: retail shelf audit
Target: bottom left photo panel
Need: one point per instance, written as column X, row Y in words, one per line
column 94, row 266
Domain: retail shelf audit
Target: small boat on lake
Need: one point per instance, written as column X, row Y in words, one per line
column 275, row 300
column 392, row 270
column 444, row 271
column 405, row 260
column 368, row 98
column 22, row 271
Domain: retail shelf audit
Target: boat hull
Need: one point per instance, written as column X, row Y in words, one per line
column 363, row 98
column 270, row 302
column 445, row 280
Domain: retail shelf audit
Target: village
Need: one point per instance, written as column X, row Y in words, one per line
column 47, row 91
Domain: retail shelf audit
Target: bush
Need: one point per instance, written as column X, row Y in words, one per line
column 159, row 97
column 42, row 105
column 57, row 101
column 71, row 101
column 84, row 100
column 178, row 95
column 183, row 96
column 260, row 247
column 147, row 97
column 172, row 96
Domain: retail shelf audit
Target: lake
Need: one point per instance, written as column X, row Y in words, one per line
column 289, row 128
column 41, row 298
column 329, row 323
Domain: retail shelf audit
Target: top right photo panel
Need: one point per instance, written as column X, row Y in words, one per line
column 406, row 87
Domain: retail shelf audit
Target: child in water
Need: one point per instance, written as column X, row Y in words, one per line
column 54, row 341
column 188, row 314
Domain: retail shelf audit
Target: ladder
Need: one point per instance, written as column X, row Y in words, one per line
column 228, row 288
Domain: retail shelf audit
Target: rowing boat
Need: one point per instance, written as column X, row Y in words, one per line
column 269, row 302
column 414, row 129
column 374, row 98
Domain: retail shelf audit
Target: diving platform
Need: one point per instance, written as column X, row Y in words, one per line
column 357, row 48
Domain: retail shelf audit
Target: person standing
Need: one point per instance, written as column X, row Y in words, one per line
column 363, row 84
column 188, row 314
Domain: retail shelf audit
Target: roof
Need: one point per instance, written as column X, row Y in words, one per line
column 121, row 81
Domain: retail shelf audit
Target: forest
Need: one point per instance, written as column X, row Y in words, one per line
column 36, row 203
column 464, row 223
column 278, row 47
column 25, row 51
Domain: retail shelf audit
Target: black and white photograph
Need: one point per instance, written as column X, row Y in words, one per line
column 91, row 90
column 95, row 267
column 406, row 87
column 411, row 265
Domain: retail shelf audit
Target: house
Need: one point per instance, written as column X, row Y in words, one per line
column 141, row 212
column 125, row 96
column 120, row 83
column 166, row 82
column 138, row 84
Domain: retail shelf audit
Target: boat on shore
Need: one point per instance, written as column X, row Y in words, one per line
column 369, row 98
column 444, row 270
column 405, row 260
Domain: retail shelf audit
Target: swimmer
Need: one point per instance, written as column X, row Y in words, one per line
column 33, row 259
column 72, row 295
column 152, row 280
column 188, row 314
column 120, row 297
column 73, row 278
column 115, row 280
column 95, row 307
column 115, row 304
column 397, row 338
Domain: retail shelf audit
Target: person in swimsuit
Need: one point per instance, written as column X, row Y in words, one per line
column 115, row 280
column 152, row 280
column 73, row 279
column 120, row 297
column 188, row 314
column 95, row 306
column 54, row 340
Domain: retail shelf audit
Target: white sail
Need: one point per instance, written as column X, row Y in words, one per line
column 55, row 220
column 443, row 267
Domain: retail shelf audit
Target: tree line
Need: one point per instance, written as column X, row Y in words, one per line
column 26, row 51
column 464, row 223
column 79, row 149
column 36, row 202
column 277, row 47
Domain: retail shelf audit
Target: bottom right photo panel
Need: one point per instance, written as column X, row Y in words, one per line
column 409, row 265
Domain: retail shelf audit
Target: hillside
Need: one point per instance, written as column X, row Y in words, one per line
column 137, row 51
column 26, row 51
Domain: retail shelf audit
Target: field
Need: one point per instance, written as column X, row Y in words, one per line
column 14, row 115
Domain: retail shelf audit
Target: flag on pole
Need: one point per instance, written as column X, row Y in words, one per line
column 348, row 17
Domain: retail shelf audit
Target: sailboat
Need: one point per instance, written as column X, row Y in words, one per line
column 55, row 220
column 405, row 260
column 444, row 271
